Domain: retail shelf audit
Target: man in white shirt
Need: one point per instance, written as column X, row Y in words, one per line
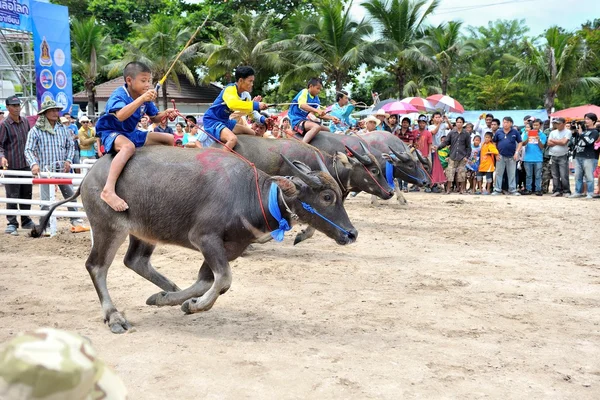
column 480, row 128
column 558, row 141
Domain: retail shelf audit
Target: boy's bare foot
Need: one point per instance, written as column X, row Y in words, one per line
column 114, row 201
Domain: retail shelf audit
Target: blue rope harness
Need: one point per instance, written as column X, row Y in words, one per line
column 311, row 210
column 284, row 225
column 409, row 175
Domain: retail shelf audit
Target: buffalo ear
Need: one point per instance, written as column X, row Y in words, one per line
column 387, row 157
column 287, row 186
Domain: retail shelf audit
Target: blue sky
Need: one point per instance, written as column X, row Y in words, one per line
column 538, row 14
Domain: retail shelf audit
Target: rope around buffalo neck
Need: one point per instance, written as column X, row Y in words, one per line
column 311, row 210
column 337, row 175
column 284, row 225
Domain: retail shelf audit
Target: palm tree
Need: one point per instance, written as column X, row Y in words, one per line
column 401, row 24
column 558, row 66
column 446, row 48
column 89, row 55
column 248, row 42
column 157, row 45
column 332, row 44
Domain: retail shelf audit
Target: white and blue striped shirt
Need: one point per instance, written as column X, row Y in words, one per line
column 47, row 150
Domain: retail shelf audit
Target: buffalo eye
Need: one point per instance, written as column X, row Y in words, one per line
column 374, row 171
column 327, row 197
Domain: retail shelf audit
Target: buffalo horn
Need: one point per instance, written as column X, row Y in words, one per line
column 365, row 160
column 401, row 156
column 321, row 164
column 301, row 173
column 425, row 161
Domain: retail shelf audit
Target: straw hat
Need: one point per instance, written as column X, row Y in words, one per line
column 64, row 120
column 381, row 113
column 371, row 118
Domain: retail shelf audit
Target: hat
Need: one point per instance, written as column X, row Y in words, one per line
column 372, row 118
column 13, row 100
column 51, row 363
column 64, row 119
column 422, row 118
column 381, row 113
column 48, row 105
column 559, row 120
column 84, row 119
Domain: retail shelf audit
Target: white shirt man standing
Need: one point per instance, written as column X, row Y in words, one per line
column 558, row 141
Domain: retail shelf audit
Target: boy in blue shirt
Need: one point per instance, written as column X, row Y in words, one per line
column 534, row 157
column 117, row 129
column 217, row 120
column 306, row 102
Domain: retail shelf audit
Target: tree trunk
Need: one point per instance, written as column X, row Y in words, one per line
column 444, row 85
column 91, row 106
column 549, row 98
column 164, row 95
column 401, row 81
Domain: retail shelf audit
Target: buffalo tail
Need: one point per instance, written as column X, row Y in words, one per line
column 39, row 229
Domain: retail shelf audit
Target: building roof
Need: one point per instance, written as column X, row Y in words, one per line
column 187, row 93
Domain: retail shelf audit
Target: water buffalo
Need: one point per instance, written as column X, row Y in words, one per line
column 409, row 166
column 350, row 173
column 205, row 200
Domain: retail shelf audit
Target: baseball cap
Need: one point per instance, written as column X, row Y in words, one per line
column 84, row 119
column 559, row 120
column 52, row 363
column 422, row 118
column 12, row 100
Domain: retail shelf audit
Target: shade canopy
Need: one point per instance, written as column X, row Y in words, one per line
column 577, row 112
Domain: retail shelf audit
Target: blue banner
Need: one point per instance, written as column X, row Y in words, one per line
column 15, row 14
column 52, row 52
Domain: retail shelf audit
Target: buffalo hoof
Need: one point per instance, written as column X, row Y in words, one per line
column 155, row 299
column 118, row 323
column 192, row 306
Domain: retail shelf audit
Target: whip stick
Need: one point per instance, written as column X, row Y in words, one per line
column 164, row 78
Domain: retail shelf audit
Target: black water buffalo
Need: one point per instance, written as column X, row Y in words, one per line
column 409, row 166
column 359, row 173
column 207, row 200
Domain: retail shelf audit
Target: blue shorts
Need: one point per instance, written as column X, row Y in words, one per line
column 214, row 127
column 138, row 138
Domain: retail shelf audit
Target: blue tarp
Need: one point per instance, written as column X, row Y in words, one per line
column 516, row 115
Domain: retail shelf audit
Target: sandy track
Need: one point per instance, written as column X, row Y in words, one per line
column 450, row 297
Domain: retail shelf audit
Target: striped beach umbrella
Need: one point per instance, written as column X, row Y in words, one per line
column 445, row 103
column 398, row 107
column 419, row 103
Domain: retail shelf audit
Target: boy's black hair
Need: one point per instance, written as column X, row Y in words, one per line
column 539, row 121
column 489, row 116
column 314, row 82
column 436, row 113
column 134, row 68
column 490, row 134
column 461, row 118
column 340, row 95
column 243, row 72
column 496, row 120
column 191, row 118
column 406, row 119
column 509, row 119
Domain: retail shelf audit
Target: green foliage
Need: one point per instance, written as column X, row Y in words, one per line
column 247, row 42
column 401, row 23
column 333, row 45
column 559, row 65
column 78, row 9
column 120, row 16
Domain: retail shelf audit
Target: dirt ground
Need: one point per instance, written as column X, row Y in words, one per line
column 448, row 297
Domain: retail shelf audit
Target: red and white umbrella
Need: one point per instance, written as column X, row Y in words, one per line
column 398, row 107
column 445, row 103
column 419, row 103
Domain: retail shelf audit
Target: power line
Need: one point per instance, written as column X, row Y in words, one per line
column 451, row 10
